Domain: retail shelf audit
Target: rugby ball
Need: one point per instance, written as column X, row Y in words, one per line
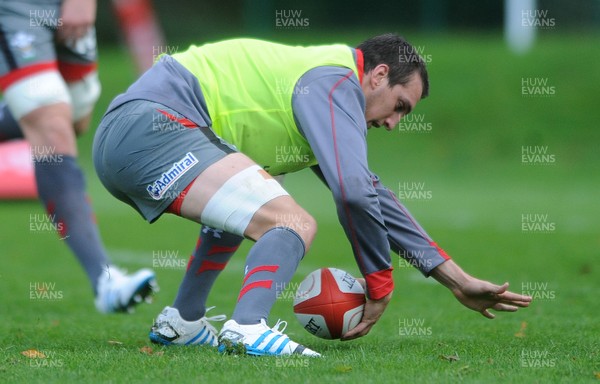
column 329, row 302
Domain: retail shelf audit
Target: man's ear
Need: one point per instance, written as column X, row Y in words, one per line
column 379, row 73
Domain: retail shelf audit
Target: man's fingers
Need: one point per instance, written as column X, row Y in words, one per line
column 360, row 330
column 518, row 303
column 507, row 296
column 501, row 289
column 372, row 313
column 72, row 32
column 511, row 296
column 488, row 314
column 499, row 307
column 505, row 307
column 362, row 282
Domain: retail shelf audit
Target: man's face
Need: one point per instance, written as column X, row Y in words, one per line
column 385, row 106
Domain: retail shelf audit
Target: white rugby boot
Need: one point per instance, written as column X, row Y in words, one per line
column 170, row 328
column 119, row 292
column 259, row 339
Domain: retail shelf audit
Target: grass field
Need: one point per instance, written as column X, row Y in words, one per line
column 502, row 217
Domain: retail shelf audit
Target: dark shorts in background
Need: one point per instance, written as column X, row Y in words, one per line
column 27, row 40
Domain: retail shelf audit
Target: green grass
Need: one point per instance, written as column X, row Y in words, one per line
column 471, row 163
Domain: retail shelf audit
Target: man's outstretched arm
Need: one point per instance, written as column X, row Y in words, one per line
column 406, row 236
column 411, row 242
column 478, row 295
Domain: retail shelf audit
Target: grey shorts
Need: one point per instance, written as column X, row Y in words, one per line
column 27, row 39
column 147, row 154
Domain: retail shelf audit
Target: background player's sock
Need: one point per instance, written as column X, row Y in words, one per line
column 270, row 265
column 61, row 187
column 9, row 127
column 213, row 251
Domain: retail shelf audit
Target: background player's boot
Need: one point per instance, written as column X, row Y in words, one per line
column 259, row 339
column 170, row 328
column 119, row 292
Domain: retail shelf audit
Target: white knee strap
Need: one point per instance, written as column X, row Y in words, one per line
column 231, row 208
column 84, row 94
column 35, row 91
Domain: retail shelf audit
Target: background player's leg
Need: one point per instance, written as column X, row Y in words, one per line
column 213, row 251
column 47, row 92
column 61, row 188
column 61, row 185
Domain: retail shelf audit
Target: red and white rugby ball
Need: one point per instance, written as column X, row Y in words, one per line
column 329, row 302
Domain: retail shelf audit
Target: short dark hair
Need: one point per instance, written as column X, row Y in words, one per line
column 397, row 53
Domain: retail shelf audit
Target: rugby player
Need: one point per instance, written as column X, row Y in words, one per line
column 200, row 135
column 50, row 84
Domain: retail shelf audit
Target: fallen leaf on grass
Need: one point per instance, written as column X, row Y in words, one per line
column 597, row 374
column 521, row 332
column 343, row 368
column 450, row 358
column 147, row 350
column 33, row 354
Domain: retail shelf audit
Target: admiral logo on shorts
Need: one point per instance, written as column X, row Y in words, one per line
column 167, row 179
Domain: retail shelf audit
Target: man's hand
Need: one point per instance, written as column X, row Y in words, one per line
column 373, row 311
column 77, row 17
column 481, row 296
column 478, row 295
